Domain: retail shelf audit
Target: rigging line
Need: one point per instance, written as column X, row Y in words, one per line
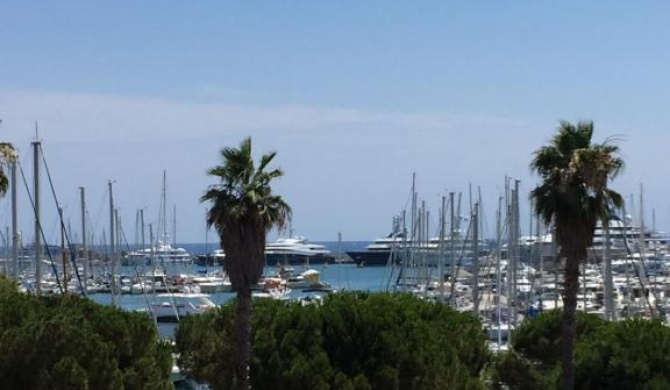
column 103, row 206
column 123, row 238
column 489, row 263
column 141, row 280
column 629, row 253
column 458, row 265
column 39, row 224
column 73, row 262
column 137, row 274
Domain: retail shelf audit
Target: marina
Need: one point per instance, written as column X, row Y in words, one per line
column 641, row 283
column 501, row 281
column 509, row 277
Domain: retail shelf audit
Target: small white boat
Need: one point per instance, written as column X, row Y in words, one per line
column 308, row 280
column 212, row 283
column 170, row 307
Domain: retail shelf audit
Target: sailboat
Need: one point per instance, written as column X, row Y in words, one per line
column 160, row 251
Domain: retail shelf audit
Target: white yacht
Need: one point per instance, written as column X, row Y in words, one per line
column 161, row 252
column 627, row 237
column 384, row 250
column 296, row 250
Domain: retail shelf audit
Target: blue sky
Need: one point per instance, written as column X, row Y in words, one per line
column 354, row 96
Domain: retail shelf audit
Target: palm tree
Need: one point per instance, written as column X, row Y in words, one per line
column 7, row 155
column 574, row 196
column 243, row 209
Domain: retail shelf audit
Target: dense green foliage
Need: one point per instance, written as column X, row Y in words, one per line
column 70, row 342
column 534, row 361
column 632, row 354
column 350, row 341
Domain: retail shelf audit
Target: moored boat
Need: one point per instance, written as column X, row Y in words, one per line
column 162, row 252
column 382, row 251
column 296, row 250
column 211, row 259
column 170, row 307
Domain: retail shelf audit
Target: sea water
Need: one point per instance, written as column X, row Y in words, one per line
column 340, row 276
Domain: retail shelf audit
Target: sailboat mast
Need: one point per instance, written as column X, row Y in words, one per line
column 15, row 221
column 498, row 275
column 509, row 274
column 112, row 250
column 475, row 259
column 452, row 255
column 117, row 226
column 84, row 243
column 609, row 282
column 142, row 238
column 413, row 237
column 642, row 238
column 153, row 270
column 164, row 208
column 515, row 244
column 441, row 258
column 38, row 230
column 62, row 249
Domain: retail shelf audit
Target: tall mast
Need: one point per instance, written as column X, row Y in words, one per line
column 38, row 230
column 413, row 238
column 15, row 220
column 609, row 282
column 142, row 227
column 112, row 250
column 475, row 243
column 642, row 238
column 441, row 257
column 84, row 243
column 515, row 245
column 153, row 271
column 164, row 232
column 498, row 276
column 423, row 243
column 452, row 255
column 62, row 249
column 509, row 284
column 117, row 226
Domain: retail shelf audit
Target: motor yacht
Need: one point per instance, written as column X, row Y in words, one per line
column 296, row 250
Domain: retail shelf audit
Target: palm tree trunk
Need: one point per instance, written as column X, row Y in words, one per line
column 568, row 328
column 243, row 339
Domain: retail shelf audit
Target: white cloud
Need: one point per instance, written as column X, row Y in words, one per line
column 83, row 117
column 347, row 169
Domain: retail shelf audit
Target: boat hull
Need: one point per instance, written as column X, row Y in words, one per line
column 274, row 259
column 208, row 260
column 374, row 258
